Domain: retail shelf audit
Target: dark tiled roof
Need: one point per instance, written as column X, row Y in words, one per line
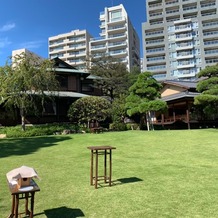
column 180, row 96
column 185, row 84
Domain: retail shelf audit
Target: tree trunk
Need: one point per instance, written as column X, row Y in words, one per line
column 142, row 119
column 147, row 121
column 23, row 126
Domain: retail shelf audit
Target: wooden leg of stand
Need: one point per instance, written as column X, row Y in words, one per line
column 91, row 169
column 32, row 204
column 96, row 170
column 16, row 205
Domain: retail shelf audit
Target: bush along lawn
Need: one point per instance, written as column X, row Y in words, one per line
column 40, row 130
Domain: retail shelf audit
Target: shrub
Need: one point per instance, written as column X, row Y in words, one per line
column 118, row 126
column 132, row 126
column 38, row 130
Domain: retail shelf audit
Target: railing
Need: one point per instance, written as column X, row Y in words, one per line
column 172, row 119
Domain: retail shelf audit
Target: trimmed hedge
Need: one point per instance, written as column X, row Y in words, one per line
column 39, row 130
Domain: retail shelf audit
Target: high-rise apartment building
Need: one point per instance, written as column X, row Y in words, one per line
column 180, row 37
column 118, row 37
column 72, row 47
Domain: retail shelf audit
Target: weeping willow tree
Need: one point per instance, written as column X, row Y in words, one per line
column 22, row 78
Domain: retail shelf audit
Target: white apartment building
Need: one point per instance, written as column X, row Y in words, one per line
column 180, row 37
column 118, row 37
column 72, row 47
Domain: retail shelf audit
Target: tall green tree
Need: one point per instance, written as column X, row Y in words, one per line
column 144, row 98
column 88, row 109
column 24, row 77
column 111, row 76
column 208, row 88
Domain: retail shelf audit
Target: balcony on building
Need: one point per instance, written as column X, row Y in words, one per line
column 183, row 28
column 171, row 2
column 160, row 76
column 211, row 61
column 156, row 21
column 190, row 9
column 155, row 14
column 116, row 29
column 98, row 47
column 102, row 15
column 211, row 24
column 172, row 10
column 97, row 39
column 207, row 5
column 117, row 44
column 156, row 68
column 118, row 53
column 186, row 74
column 210, row 34
column 155, row 50
column 103, row 33
column 186, row 64
column 76, row 61
column 155, row 5
column 76, row 54
column 184, row 55
column 173, row 18
column 59, row 42
column 183, row 37
column 117, row 20
column 210, row 12
column 124, row 60
column 211, row 43
column 156, row 59
column 154, row 33
column 184, row 46
column 211, row 52
column 119, row 36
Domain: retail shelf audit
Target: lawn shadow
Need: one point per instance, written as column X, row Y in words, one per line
column 64, row 212
column 23, row 146
column 126, row 180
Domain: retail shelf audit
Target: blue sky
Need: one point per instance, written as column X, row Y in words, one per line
column 29, row 23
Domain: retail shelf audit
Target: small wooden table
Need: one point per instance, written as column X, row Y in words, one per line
column 95, row 152
column 23, row 194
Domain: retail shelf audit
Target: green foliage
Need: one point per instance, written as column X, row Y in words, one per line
column 155, row 105
column 118, row 110
column 23, row 79
column 118, row 126
column 157, row 174
column 37, row 130
column 111, row 76
column 144, row 97
column 87, row 109
column 208, row 87
column 132, row 126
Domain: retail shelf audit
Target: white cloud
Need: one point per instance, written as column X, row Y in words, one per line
column 31, row 44
column 4, row 42
column 7, row 27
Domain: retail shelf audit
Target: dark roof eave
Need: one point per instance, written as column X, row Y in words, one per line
column 179, row 96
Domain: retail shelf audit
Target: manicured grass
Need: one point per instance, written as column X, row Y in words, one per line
column 155, row 174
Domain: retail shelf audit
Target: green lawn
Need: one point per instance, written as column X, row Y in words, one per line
column 155, row 174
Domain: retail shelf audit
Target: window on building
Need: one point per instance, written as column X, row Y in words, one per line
column 116, row 15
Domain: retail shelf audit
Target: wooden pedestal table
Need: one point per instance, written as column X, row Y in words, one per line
column 23, row 193
column 95, row 152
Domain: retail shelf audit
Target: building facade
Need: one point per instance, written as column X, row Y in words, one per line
column 118, row 37
column 72, row 47
column 180, row 37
